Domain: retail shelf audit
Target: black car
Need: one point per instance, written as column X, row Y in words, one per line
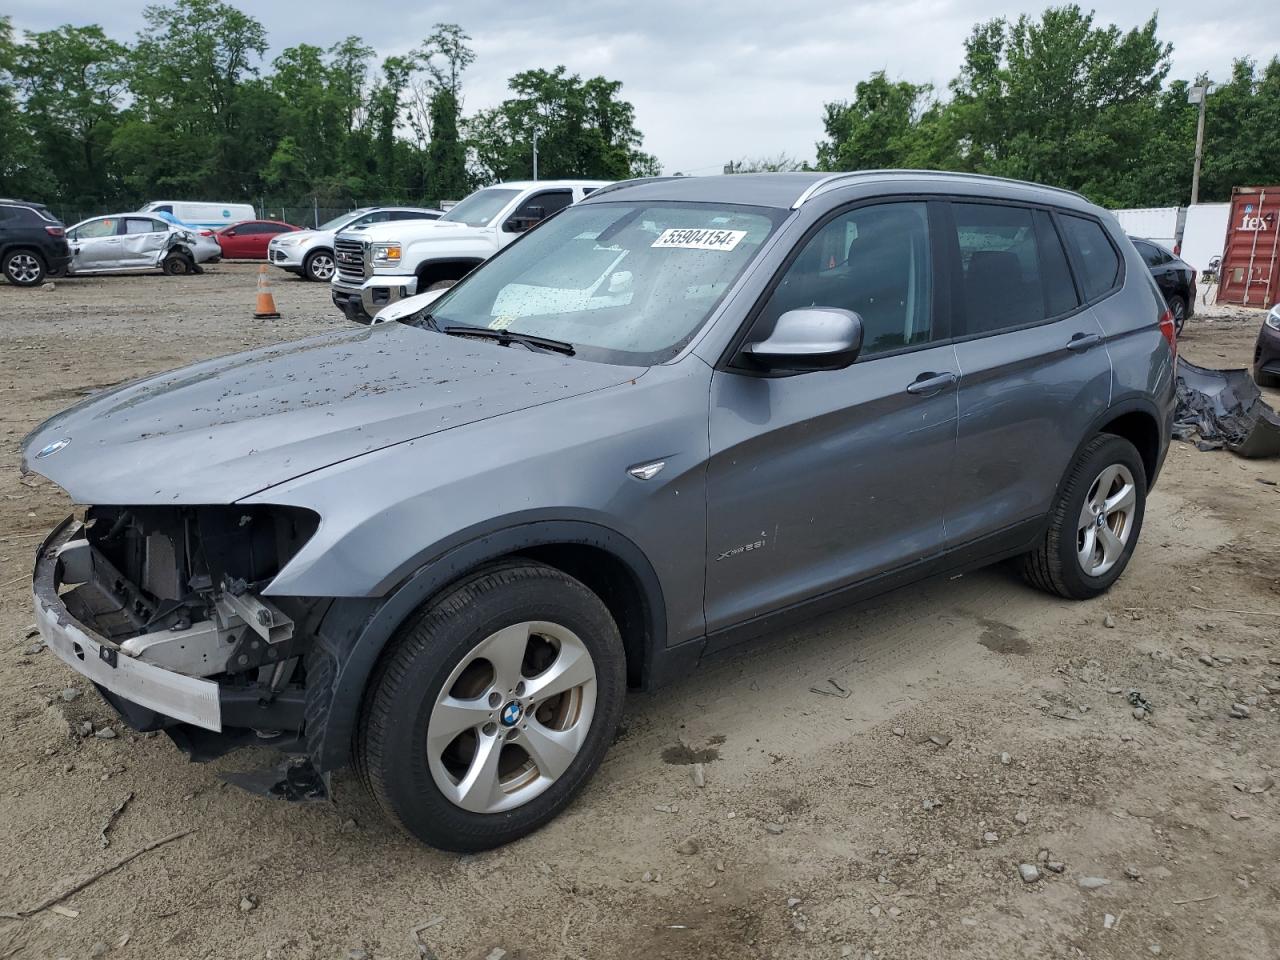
column 1176, row 279
column 33, row 243
column 1266, row 354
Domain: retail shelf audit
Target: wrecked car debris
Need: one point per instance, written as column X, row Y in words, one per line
column 1225, row 409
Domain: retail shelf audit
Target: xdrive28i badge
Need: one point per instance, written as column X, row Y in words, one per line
column 50, row 449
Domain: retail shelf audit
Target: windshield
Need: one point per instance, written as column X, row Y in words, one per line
column 337, row 223
column 623, row 283
column 481, row 207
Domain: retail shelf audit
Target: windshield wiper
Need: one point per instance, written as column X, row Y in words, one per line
column 505, row 337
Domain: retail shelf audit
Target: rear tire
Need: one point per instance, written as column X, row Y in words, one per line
column 23, row 268
column 1178, row 307
column 177, row 265
column 475, row 675
column 1078, row 557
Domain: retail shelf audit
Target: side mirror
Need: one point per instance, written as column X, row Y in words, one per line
column 228, row 233
column 812, row 338
column 526, row 219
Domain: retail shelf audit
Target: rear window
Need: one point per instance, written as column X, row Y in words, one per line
column 1098, row 260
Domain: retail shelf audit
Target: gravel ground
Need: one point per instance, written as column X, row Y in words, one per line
column 985, row 791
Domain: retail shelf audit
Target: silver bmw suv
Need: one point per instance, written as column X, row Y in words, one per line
column 676, row 415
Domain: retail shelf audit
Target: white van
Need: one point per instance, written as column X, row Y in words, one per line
column 198, row 214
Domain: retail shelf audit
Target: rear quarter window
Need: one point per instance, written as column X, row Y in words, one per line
column 1096, row 258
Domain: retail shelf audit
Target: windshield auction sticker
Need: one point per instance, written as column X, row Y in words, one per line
column 690, row 239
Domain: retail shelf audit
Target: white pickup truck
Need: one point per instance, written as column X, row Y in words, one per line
column 386, row 262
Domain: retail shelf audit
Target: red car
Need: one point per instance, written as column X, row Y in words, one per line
column 248, row 239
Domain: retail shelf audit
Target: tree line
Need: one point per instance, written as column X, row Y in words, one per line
column 1064, row 101
column 190, row 109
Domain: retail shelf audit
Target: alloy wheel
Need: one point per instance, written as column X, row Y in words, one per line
column 1106, row 520
column 322, row 266
column 24, row 268
column 511, row 717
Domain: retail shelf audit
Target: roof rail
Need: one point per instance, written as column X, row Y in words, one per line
column 821, row 186
column 618, row 185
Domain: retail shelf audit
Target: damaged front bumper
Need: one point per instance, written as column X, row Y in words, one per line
column 66, row 557
column 226, row 675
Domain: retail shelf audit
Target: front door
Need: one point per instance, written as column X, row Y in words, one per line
column 533, row 211
column 95, row 245
column 821, row 480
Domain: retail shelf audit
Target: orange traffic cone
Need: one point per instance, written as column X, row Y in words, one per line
column 266, row 309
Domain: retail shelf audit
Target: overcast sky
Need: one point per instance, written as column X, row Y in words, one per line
column 711, row 80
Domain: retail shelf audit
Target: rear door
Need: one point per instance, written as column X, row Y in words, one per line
column 1034, row 369
column 143, row 240
column 1161, row 264
column 820, row 480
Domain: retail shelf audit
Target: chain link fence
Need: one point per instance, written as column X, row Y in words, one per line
column 301, row 212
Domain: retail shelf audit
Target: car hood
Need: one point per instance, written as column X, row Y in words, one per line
column 223, row 429
column 403, row 230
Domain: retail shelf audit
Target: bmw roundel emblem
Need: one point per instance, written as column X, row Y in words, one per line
column 511, row 714
column 50, row 449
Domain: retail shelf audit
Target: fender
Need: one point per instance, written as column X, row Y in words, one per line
column 356, row 630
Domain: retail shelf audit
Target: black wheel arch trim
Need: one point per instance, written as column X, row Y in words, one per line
column 1135, row 403
column 355, row 631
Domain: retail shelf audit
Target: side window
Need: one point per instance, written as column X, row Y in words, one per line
column 253, row 229
column 410, row 215
column 163, row 208
column 1150, row 254
column 275, row 228
column 142, row 225
column 549, row 201
column 1099, row 263
column 1012, row 269
column 874, row 261
column 105, row 227
column 1059, row 291
column 378, row 216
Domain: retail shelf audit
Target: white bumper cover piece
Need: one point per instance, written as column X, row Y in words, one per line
column 184, row 698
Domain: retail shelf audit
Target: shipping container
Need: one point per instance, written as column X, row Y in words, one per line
column 1252, row 248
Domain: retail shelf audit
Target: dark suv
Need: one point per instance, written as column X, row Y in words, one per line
column 676, row 415
column 33, row 243
column 1173, row 275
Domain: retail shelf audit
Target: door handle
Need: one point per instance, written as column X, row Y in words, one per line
column 927, row 384
column 1084, row 341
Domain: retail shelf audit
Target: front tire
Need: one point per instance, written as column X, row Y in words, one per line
column 1095, row 522
column 23, row 268
column 319, row 266
column 492, row 707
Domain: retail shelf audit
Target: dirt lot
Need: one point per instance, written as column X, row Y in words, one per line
column 988, row 727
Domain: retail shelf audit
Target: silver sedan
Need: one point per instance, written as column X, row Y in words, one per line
column 134, row 243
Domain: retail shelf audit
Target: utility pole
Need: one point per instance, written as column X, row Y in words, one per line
column 1198, row 95
column 535, row 149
